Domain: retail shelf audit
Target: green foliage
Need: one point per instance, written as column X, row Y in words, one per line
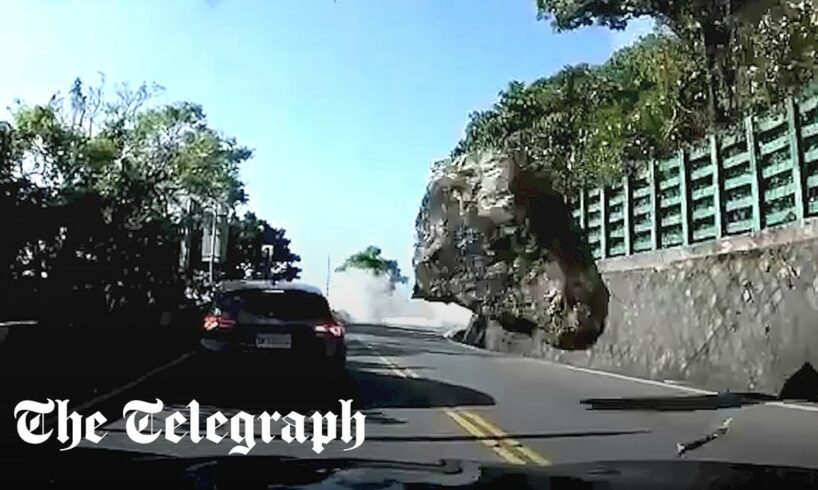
column 583, row 125
column 615, row 14
column 727, row 38
column 778, row 55
column 370, row 259
column 180, row 152
column 245, row 258
column 96, row 191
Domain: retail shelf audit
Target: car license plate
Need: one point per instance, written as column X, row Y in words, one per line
column 273, row 341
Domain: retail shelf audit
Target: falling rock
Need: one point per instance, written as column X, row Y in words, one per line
column 494, row 237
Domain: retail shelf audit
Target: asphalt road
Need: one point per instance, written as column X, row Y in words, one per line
column 427, row 398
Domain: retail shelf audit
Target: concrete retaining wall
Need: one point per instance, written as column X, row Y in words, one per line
column 739, row 314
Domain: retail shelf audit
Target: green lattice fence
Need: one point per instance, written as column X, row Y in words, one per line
column 759, row 175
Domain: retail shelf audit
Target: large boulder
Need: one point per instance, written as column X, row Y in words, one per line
column 494, row 237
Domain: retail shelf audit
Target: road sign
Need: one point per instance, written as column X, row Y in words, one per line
column 214, row 237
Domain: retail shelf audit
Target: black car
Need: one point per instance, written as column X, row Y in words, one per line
column 276, row 321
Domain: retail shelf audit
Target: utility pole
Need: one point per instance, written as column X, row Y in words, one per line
column 213, row 244
column 185, row 246
column 327, row 289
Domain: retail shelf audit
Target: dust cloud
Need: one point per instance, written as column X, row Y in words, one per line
column 367, row 298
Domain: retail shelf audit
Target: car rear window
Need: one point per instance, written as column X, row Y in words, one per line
column 279, row 304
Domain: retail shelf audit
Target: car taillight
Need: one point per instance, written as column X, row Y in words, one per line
column 221, row 321
column 331, row 327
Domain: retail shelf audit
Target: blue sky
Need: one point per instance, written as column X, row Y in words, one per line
column 345, row 102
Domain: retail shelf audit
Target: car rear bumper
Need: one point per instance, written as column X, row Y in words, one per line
column 316, row 352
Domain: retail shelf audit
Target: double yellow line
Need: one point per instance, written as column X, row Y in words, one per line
column 498, row 441
column 489, row 434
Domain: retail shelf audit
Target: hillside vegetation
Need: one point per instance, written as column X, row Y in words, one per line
column 694, row 74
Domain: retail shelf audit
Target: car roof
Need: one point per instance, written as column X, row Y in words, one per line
column 268, row 284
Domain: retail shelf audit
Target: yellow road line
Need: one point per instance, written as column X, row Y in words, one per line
column 491, row 443
column 504, row 439
column 474, row 424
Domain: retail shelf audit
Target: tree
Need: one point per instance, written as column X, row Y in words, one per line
column 96, row 184
column 709, row 27
column 249, row 238
column 582, row 126
column 778, row 54
column 370, row 259
column 583, row 123
column 151, row 158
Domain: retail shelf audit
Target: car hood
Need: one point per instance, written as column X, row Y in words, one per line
column 111, row 469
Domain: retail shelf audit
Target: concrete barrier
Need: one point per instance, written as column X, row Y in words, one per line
column 742, row 317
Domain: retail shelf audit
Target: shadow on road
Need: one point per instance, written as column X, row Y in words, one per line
column 255, row 388
column 376, row 390
column 396, row 348
column 718, row 401
column 400, row 332
column 290, row 389
column 358, row 365
column 801, row 386
column 516, row 436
